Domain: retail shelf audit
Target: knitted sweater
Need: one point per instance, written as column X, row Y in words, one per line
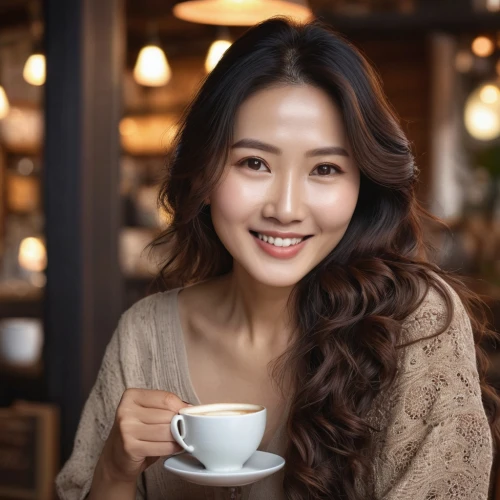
column 432, row 441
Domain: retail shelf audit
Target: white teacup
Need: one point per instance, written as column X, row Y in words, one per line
column 221, row 436
column 21, row 340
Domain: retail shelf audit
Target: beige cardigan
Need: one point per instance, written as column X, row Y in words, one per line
column 435, row 442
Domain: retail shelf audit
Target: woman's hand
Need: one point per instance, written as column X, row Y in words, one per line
column 140, row 434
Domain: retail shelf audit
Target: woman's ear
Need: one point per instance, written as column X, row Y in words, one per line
column 206, row 201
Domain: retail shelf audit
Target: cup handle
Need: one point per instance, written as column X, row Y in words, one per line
column 178, row 421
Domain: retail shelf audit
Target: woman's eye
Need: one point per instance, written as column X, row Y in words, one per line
column 324, row 170
column 253, row 163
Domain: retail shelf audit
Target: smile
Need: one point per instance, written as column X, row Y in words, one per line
column 279, row 242
column 283, row 248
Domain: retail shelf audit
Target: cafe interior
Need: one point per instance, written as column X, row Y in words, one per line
column 90, row 96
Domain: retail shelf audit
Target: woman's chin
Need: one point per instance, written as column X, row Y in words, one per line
column 277, row 278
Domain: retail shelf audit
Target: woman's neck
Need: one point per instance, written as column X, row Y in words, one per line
column 256, row 311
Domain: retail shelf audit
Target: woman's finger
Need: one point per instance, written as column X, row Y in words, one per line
column 150, row 432
column 152, row 415
column 154, row 399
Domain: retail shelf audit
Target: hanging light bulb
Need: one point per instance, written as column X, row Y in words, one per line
column 493, row 5
column 34, row 69
column 482, row 112
column 240, row 12
column 32, row 255
column 217, row 50
column 215, row 53
column 483, row 46
column 152, row 68
column 4, row 103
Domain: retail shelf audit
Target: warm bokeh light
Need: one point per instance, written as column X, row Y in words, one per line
column 240, row 12
column 4, row 103
column 149, row 134
column 32, row 254
column 464, row 61
column 152, row 68
column 493, row 5
column 25, row 166
column 483, row 46
column 128, row 126
column 489, row 94
column 34, row 70
column 215, row 52
column 482, row 113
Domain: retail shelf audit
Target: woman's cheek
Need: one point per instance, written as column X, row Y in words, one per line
column 237, row 198
column 333, row 209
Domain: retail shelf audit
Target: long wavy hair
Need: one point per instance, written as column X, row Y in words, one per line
column 349, row 309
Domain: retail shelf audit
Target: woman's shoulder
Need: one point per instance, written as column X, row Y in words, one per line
column 437, row 368
column 149, row 318
column 439, row 309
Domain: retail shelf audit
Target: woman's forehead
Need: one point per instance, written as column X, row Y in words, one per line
column 291, row 111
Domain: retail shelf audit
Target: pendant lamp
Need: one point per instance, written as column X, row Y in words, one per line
column 482, row 112
column 4, row 103
column 4, row 100
column 152, row 68
column 240, row 12
column 217, row 49
column 34, row 69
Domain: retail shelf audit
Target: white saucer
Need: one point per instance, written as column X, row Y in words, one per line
column 258, row 466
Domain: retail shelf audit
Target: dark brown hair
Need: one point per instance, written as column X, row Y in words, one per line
column 350, row 307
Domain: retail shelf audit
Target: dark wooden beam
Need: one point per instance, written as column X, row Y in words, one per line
column 85, row 42
column 393, row 24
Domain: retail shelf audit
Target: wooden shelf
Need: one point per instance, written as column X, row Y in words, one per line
column 26, row 302
column 18, row 371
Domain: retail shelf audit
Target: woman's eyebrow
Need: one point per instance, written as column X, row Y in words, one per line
column 262, row 146
column 255, row 144
column 329, row 150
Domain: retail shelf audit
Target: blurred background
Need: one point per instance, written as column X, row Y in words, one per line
column 90, row 94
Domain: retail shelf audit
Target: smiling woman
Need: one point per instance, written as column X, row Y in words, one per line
column 304, row 287
column 288, row 176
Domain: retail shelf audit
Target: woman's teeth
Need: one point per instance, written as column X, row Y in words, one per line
column 279, row 242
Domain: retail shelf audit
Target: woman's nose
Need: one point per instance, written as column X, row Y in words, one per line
column 285, row 200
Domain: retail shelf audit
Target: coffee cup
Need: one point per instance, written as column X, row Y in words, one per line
column 21, row 340
column 221, row 436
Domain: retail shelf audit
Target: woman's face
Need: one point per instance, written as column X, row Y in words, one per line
column 290, row 179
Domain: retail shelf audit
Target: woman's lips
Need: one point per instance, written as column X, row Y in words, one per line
column 279, row 252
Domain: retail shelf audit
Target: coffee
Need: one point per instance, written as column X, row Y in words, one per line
column 223, row 413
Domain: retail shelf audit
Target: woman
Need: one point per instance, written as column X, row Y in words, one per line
column 294, row 221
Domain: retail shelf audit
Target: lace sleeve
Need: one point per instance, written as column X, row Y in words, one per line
column 434, row 440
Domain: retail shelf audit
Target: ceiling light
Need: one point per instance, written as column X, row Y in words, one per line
column 483, row 46
column 152, row 68
column 493, row 5
column 240, row 12
column 482, row 112
column 4, row 103
column 489, row 94
column 34, row 70
column 32, row 255
column 217, row 49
